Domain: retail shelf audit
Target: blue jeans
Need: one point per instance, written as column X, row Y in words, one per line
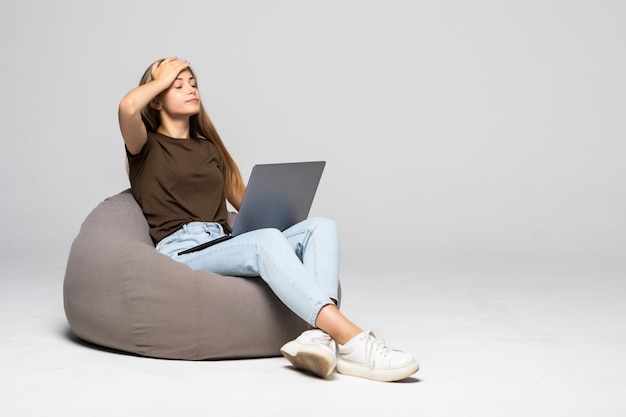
column 300, row 264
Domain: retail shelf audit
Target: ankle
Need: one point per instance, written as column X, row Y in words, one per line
column 330, row 320
column 352, row 337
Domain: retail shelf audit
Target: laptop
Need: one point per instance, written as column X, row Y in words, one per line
column 277, row 196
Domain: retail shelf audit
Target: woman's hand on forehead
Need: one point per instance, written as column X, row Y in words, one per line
column 168, row 68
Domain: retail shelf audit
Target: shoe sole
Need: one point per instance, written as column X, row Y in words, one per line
column 383, row 375
column 309, row 358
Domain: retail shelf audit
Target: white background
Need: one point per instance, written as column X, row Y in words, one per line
column 475, row 157
column 453, row 130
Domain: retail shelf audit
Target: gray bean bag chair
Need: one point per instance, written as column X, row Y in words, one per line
column 120, row 293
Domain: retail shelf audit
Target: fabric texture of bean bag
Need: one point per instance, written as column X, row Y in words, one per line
column 120, row 293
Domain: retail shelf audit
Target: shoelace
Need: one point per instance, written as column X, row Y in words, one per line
column 375, row 346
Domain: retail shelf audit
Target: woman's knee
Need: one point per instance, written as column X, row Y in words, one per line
column 326, row 225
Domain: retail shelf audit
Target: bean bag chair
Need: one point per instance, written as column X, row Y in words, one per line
column 120, row 293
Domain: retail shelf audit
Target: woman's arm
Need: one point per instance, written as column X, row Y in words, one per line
column 129, row 113
column 235, row 197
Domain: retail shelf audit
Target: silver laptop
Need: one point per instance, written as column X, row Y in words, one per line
column 277, row 196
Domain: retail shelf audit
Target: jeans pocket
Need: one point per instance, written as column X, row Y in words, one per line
column 168, row 241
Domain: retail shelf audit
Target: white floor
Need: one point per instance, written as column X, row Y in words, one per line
column 512, row 339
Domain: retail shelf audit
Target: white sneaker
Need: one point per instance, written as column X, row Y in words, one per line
column 313, row 351
column 366, row 356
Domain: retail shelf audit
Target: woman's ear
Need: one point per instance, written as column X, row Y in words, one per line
column 156, row 105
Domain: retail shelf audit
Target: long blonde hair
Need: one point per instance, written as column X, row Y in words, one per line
column 200, row 126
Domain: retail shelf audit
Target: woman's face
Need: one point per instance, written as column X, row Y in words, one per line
column 182, row 98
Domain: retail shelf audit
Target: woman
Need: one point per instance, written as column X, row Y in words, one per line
column 182, row 175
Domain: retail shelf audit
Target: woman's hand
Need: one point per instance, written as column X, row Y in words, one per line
column 168, row 69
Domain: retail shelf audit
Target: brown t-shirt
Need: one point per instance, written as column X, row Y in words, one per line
column 178, row 181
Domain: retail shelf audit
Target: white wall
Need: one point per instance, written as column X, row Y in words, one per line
column 452, row 129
